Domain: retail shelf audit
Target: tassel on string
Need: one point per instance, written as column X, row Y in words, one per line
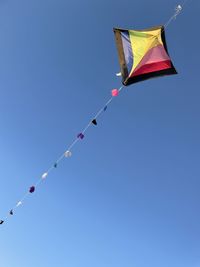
column 68, row 154
column 94, row 122
column 32, row 189
column 178, row 10
column 44, row 175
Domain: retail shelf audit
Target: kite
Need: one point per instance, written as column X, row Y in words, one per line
column 142, row 55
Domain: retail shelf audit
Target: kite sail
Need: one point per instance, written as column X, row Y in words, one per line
column 143, row 54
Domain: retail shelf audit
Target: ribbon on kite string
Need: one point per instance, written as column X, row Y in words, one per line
column 66, row 154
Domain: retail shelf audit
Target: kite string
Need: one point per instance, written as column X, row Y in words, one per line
column 185, row 2
column 178, row 10
column 68, row 149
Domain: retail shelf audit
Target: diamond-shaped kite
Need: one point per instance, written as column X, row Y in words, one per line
column 143, row 54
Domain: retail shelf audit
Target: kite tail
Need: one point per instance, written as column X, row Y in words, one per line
column 66, row 154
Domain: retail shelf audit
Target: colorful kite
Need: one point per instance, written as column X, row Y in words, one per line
column 143, row 54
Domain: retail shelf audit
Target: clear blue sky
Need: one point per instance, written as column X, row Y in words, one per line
column 129, row 196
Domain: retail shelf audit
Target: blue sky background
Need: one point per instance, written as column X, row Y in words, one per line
column 129, row 195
